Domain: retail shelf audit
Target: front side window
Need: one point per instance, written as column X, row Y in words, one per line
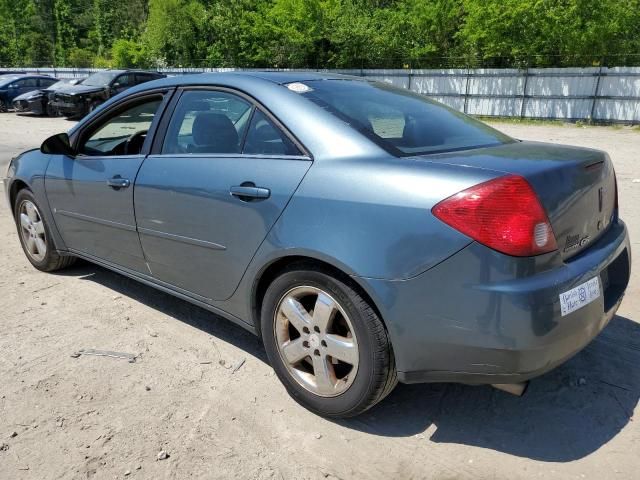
column 207, row 122
column 124, row 133
column 398, row 120
column 27, row 82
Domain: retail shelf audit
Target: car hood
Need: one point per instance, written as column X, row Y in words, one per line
column 80, row 89
column 28, row 95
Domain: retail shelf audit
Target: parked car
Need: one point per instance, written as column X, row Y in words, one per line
column 78, row 100
column 12, row 86
column 368, row 234
column 38, row 101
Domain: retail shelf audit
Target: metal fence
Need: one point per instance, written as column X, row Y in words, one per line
column 598, row 94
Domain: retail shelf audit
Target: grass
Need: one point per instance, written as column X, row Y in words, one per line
column 522, row 121
column 556, row 123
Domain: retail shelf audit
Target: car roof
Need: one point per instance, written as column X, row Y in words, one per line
column 215, row 78
column 23, row 75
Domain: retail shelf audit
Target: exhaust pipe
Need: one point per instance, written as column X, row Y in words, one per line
column 516, row 389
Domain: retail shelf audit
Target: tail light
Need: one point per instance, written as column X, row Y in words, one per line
column 504, row 214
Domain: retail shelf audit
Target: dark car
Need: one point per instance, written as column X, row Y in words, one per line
column 12, row 86
column 368, row 234
column 38, row 101
column 78, row 100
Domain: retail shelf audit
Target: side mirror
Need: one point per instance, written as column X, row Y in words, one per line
column 58, row 145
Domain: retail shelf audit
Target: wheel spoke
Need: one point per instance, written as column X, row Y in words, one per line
column 31, row 245
column 341, row 348
column 25, row 221
column 31, row 212
column 294, row 351
column 295, row 313
column 323, row 311
column 40, row 246
column 39, row 227
column 324, row 375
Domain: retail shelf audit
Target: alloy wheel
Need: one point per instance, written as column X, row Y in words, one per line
column 32, row 230
column 316, row 341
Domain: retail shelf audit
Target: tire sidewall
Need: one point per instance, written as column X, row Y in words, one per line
column 24, row 195
column 363, row 385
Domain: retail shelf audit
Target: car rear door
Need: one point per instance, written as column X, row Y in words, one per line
column 213, row 188
column 91, row 195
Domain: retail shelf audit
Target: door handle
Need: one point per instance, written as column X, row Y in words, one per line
column 248, row 191
column 118, row 182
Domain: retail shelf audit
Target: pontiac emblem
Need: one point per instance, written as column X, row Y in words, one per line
column 575, row 241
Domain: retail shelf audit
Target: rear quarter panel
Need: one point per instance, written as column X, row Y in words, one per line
column 369, row 218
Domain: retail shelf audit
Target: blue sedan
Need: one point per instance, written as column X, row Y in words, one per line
column 367, row 234
column 12, row 86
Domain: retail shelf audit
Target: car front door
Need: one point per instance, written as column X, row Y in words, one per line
column 211, row 191
column 91, row 194
column 122, row 82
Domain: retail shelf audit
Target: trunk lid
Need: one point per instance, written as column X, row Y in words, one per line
column 576, row 186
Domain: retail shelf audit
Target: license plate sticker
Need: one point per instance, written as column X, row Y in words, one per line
column 578, row 297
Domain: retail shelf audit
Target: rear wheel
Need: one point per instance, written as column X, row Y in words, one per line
column 34, row 235
column 327, row 345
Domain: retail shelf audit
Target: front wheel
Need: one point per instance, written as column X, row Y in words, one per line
column 3, row 106
column 326, row 343
column 35, row 236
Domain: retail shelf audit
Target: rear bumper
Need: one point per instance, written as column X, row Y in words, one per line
column 482, row 317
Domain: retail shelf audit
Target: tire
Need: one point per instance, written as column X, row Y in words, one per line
column 34, row 234
column 51, row 111
column 352, row 388
column 3, row 107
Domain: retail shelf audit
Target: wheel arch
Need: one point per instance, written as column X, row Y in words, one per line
column 15, row 187
column 273, row 269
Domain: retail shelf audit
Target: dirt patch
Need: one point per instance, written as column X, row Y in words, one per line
column 69, row 416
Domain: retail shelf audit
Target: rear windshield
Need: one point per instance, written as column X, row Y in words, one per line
column 400, row 121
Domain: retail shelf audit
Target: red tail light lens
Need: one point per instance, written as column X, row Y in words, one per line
column 504, row 214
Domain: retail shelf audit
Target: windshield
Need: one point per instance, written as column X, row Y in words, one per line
column 99, row 79
column 400, row 121
column 7, row 79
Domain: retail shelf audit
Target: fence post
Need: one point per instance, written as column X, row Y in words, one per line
column 466, row 90
column 596, row 92
column 524, row 92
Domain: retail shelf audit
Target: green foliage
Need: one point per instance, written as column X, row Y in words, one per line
column 128, row 54
column 319, row 33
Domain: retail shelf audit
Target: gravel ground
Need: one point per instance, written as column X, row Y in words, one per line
column 100, row 417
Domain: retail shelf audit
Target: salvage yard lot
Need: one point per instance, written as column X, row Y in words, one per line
column 201, row 389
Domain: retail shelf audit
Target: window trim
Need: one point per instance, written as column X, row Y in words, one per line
column 79, row 135
column 163, row 128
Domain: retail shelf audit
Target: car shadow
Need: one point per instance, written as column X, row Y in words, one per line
column 565, row 415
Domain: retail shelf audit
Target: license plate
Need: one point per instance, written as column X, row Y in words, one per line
column 578, row 297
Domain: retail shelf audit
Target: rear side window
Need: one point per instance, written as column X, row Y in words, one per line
column 207, row 122
column 400, row 121
column 265, row 138
column 47, row 82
